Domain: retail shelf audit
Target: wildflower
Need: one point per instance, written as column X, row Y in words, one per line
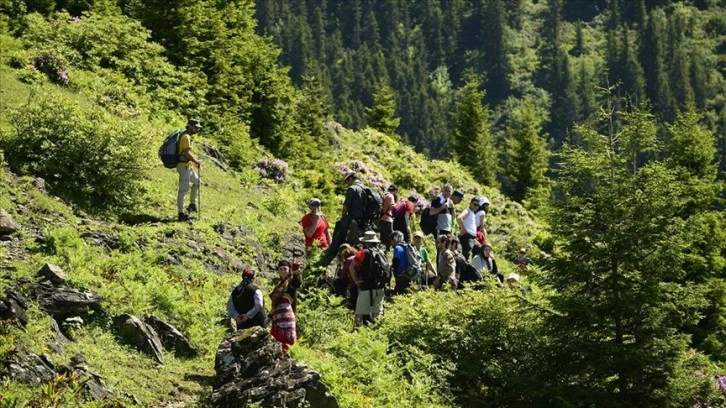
column 63, row 77
column 76, row 20
column 721, row 381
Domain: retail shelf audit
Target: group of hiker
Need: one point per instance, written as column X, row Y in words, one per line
column 362, row 240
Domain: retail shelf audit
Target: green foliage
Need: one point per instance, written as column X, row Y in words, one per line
column 617, row 276
column 85, row 154
column 382, row 115
column 527, row 155
column 472, row 140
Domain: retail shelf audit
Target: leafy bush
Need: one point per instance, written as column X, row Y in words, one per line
column 476, row 341
column 85, row 154
column 113, row 43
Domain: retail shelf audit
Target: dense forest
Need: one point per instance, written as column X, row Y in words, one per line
column 597, row 129
column 556, row 55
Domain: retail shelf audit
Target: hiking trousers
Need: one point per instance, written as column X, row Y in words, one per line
column 187, row 176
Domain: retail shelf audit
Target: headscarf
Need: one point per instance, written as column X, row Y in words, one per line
column 248, row 275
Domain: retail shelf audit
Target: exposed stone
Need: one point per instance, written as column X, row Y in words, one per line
column 39, row 183
column 214, row 154
column 101, row 238
column 70, row 325
column 171, row 337
column 27, row 367
column 251, row 369
column 54, row 273
column 92, row 384
column 7, row 223
column 13, row 307
column 58, row 338
column 140, row 335
column 64, row 301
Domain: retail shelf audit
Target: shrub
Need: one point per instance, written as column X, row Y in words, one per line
column 86, row 155
column 276, row 169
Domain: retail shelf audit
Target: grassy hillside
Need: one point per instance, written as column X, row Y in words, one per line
column 183, row 272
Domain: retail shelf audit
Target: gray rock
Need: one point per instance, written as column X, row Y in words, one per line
column 27, row 367
column 64, row 301
column 39, row 183
column 140, row 335
column 59, row 339
column 54, row 273
column 171, row 337
column 214, row 154
column 94, row 389
column 13, row 307
column 7, row 223
column 251, row 369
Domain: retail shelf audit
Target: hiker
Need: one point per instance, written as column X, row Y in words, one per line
column 522, row 260
column 344, row 285
column 185, row 168
column 481, row 219
column 446, row 264
column 315, row 226
column 370, row 272
column 245, row 304
column 385, row 223
column 486, row 263
column 467, row 227
column 443, row 208
column 284, row 303
column 399, row 263
column 428, row 267
column 349, row 226
column 402, row 214
column 513, row 282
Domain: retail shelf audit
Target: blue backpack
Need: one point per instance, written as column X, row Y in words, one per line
column 169, row 150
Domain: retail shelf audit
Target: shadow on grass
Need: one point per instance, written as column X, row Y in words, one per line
column 204, row 380
column 136, row 219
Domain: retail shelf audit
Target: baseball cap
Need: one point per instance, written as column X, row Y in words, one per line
column 458, row 193
column 418, row 234
column 315, row 202
column 195, row 123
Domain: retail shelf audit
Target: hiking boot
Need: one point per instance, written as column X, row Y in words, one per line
column 184, row 217
column 192, row 208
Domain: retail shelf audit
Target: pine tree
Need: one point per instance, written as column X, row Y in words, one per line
column 526, row 152
column 653, row 57
column 617, row 293
column 496, row 61
column 382, row 115
column 472, row 143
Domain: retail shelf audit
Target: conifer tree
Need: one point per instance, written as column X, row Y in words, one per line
column 472, row 142
column 382, row 115
column 526, row 153
column 653, row 59
column 616, row 279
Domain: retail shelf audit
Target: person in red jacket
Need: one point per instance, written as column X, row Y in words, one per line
column 316, row 226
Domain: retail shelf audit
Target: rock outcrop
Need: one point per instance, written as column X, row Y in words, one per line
column 64, row 301
column 140, row 335
column 251, row 369
column 7, row 223
column 171, row 337
column 13, row 308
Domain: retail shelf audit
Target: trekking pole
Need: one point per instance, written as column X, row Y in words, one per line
column 199, row 192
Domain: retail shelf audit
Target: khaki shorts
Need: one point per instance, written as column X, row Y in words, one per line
column 365, row 306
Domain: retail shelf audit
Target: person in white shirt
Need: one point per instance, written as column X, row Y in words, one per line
column 245, row 305
column 467, row 221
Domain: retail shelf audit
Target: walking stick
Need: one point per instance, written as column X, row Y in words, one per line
column 199, row 192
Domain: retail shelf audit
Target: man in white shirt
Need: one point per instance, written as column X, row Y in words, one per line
column 467, row 227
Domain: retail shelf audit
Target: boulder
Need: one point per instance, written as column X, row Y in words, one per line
column 251, row 369
column 39, row 183
column 27, row 367
column 59, row 339
column 64, row 301
column 140, row 335
column 13, row 308
column 214, row 154
column 7, row 223
column 171, row 338
column 94, row 389
column 54, row 273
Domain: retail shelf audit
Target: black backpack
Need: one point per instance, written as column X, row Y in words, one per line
column 427, row 222
column 169, row 150
column 372, row 204
column 379, row 271
column 414, row 269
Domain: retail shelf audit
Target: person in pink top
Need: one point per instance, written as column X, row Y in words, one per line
column 316, row 226
column 385, row 223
